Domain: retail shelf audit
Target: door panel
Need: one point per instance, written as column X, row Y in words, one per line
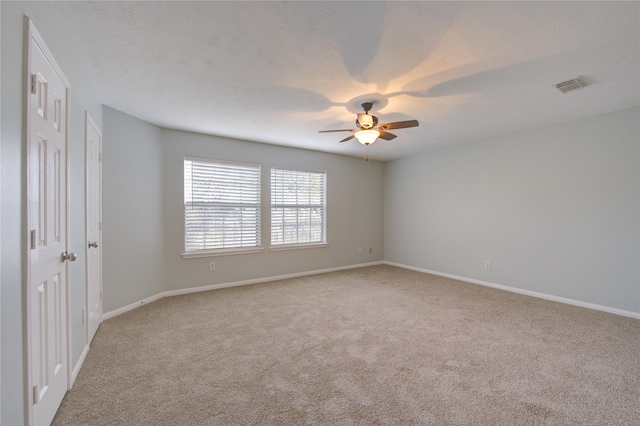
column 47, row 221
column 93, row 199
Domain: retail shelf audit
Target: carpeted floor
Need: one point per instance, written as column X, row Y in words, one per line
column 377, row 345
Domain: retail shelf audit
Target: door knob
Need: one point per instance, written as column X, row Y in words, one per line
column 68, row 256
column 93, row 244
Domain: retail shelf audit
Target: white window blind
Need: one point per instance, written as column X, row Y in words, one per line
column 221, row 205
column 297, row 207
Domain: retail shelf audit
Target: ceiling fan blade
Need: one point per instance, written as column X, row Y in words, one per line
column 347, row 138
column 341, row 130
column 399, row 125
column 387, row 136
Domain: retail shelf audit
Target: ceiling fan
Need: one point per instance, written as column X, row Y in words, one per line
column 368, row 130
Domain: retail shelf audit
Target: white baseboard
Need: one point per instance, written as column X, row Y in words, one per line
column 266, row 279
column 189, row 290
column 131, row 306
column 539, row 295
column 76, row 369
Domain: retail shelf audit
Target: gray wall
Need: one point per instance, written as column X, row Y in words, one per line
column 133, row 228
column 82, row 97
column 556, row 210
column 143, row 211
column 354, row 211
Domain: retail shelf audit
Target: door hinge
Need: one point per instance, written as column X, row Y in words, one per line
column 100, row 226
column 33, row 239
column 100, row 294
column 35, row 394
column 100, row 157
column 34, row 83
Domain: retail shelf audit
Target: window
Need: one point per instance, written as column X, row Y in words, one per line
column 221, row 206
column 298, row 209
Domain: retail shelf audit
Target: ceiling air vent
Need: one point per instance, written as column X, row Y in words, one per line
column 570, row 85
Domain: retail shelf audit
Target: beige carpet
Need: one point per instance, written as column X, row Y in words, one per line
column 377, row 345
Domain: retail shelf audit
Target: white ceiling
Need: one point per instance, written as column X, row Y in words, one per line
column 278, row 72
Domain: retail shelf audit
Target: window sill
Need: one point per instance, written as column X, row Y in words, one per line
column 297, row 246
column 228, row 252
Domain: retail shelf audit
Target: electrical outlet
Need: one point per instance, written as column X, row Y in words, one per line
column 487, row 264
column 370, row 249
column 212, row 266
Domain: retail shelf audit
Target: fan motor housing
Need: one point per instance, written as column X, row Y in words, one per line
column 366, row 121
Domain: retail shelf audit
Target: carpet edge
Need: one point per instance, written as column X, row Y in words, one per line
column 198, row 289
column 565, row 300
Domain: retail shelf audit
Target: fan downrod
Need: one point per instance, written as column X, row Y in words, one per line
column 367, row 106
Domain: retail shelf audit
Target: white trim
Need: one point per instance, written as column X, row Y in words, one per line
column 285, row 247
column 190, row 290
column 221, row 252
column 539, row 295
column 76, row 369
column 131, row 306
column 266, row 279
column 29, row 29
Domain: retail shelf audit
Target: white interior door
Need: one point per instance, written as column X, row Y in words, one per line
column 47, row 225
column 93, row 200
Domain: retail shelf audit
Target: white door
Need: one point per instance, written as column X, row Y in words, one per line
column 93, row 200
column 47, row 225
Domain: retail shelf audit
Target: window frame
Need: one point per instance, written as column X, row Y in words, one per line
column 306, row 245
column 228, row 250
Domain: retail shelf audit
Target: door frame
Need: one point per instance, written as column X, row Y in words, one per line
column 90, row 122
column 30, row 32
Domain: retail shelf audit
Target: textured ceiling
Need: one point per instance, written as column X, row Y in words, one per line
column 277, row 72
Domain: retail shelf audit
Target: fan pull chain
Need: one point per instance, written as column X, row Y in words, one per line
column 366, row 156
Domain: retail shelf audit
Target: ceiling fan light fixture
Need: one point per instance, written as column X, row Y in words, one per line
column 367, row 137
